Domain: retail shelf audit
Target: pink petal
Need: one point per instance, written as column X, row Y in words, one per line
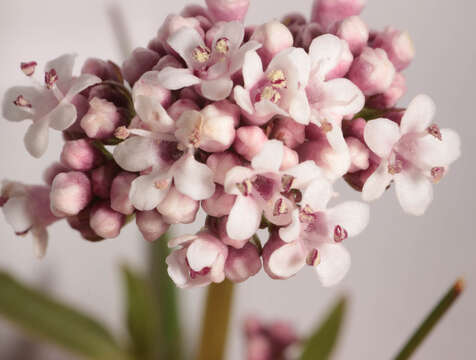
column 34, row 96
column 432, row 152
column 237, row 175
column 63, row 66
column 201, row 254
column 144, row 193
column 318, row 194
column 234, row 32
column 136, row 153
column 243, row 99
column 287, row 260
column 202, row 187
column 184, row 41
column 304, row 173
column 177, row 267
column 353, row 216
column 153, row 113
column 414, row 191
column 244, row 219
column 40, row 241
column 334, row 265
column 216, row 90
column 270, row 157
column 175, row 79
column 81, row 83
column 17, row 214
column 418, row 115
column 239, row 57
column 291, row 232
column 381, row 135
column 325, row 52
column 376, row 184
column 342, row 97
column 299, row 108
column 252, row 69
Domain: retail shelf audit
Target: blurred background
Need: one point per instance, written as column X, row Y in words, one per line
column 401, row 264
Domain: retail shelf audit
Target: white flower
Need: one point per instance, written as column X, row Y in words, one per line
column 413, row 155
column 49, row 105
column 280, row 90
column 210, row 68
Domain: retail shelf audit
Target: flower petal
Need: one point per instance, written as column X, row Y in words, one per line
column 414, row 191
column 153, row 113
column 36, row 138
column 252, row 69
column 431, row 152
column 62, row 117
column 175, row 79
column 418, row 115
column 270, row 157
column 193, row 178
column 184, row 41
column 239, row 57
column 325, row 52
column 304, row 173
column 244, row 219
column 318, row 194
column 216, row 90
column 201, row 254
column 376, row 184
column 381, row 135
column 40, row 241
column 291, row 232
column 17, row 214
column 334, row 265
column 177, row 267
column 243, row 99
column 299, row 108
column 136, row 153
column 234, row 31
column 63, row 66
column 81, row 83
column 12, row 112
column 237, row 175
column 342, row 97
column 287, row 260
column 353, row 216
column 266, row 108
column 144, row 193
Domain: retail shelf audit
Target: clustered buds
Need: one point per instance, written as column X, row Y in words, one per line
column 253, row 125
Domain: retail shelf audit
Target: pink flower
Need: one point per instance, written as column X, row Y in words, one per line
column 49, row 105
column 280, row 90
column 211, row 69
column 27, row 210
column 314, row 237
column 199, row 260
column 413, row 155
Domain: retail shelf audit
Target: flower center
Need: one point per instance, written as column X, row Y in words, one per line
column 275, row 81
column 340, row 234
column 245, row 187
column 161, row 184
column 280, row 208
column 287, row 182
column 51, row 78
column 326, row 126
column 222, row 46
column 434, row 130
column 20, row 101
column 122, row 133
column 307, row 215
column 395, row 168
column 437, row 174
column 201, row 54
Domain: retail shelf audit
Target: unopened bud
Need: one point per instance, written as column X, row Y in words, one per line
column 70, row 193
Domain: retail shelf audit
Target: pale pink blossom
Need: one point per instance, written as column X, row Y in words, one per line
column 413, row 155
column 48, row 105
column 198, row 261
column 389, row 97
column 397, row 44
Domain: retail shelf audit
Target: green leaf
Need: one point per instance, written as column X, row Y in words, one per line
column 44, row 317
column 169, row 341
column 321, row 344
column 431, row 320
column 142, row 315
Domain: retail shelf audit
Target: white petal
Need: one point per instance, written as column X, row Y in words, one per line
column 144, row 193
column 270, row 157
column 152, row 112
column 136, row 153
column 376, row 184
column 431, row 152
column 36, row 138
column 17, row 214
column 177, row 267
column 201, row 254
column 252, row 69
column 184, row 41
column 217, row 90
column 334, row 265
column 299, row 108
column 291, row 232
column 304, row 173
column 418, row 115
column 242, row 98
column 62, row 117
column 353, row 216
column 414, row 191
column 63, row 66
column 40, row 241
column 302, row 63
column 381, row 135
column 12, row 112
column 340, row 158
column 325, row 52
column 244, row 219
column 318, row 194
column 234, row 31
column 237, row 175
column 81, row 83
column 193, row 178
column 239, row 56
column 342, row 97
column 287, row 260
column 266, row 108
column 175, row 79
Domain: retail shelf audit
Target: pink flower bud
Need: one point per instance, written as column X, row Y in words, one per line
column 275, row 37
column 101, row 120
column 359, row 154
column 219, row 204
column 178, row 208
column 304, row 34
column 285, row 129
column 105, row 70
column 176, row 110
column 223, row 234
column 200, row 13
column 354, row 128
column 151, row 224
column 290, row 159
column 249, row 141
column 372, row 71
column 221, row 163
column 80, row 222
column 54, row 169
column 353, row 30
column 101, row 179
column 398, row 46
column 228, row 10
column 242, row 263
column 80, row 155
column 106, row 222
column 139, row 62
column 327, row 12
column 174, row 23
column 70, row 193
column 120, row 189
column 344, row 64
column 390, row 97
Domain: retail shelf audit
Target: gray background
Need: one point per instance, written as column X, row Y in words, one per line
column 401, row 264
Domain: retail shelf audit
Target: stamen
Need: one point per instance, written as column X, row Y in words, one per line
column 194, row 137
column 307, row 215
column 278, row 79
column 340, row 234
column 437, row 174
column 269, row 93
column 20, row 101
column 161, row 184
column 395, row 168
column 245, row 187
column 287, row 182
column 28, row 68
column 434, row 130
column 280, row 208
column 51, row 78
column 201, row 54
column 326, row 126
column 313, row 258
column 223, row 46
column 122, row 133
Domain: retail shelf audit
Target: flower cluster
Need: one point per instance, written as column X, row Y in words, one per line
column 254, row 125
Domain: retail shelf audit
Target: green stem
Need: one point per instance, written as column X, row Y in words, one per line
column 432, row 319
column 169, row 344
column 216, row 319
